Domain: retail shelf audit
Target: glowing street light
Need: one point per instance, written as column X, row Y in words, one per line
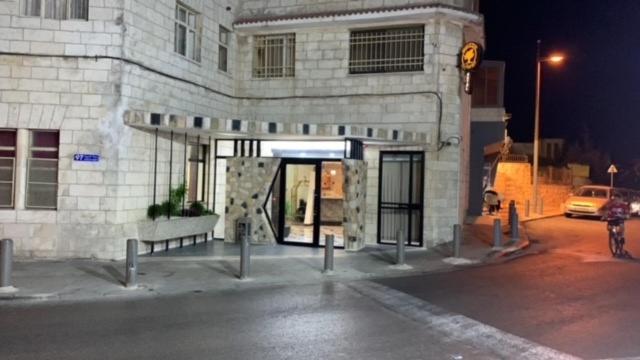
column 554, row 59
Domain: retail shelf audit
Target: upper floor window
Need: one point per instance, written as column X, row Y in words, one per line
column 386, row 50
column 42, row 170
column 223, row 48
column 188, row 34
column 274, row 56
column 57, row 9
column 488, row 85
column 7, row 167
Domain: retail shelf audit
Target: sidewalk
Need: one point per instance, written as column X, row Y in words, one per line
column 84, row 280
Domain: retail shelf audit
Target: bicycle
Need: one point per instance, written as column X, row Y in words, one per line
column 616, row 238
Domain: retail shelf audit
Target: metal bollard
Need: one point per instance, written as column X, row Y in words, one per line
column 328, row 253
column 400, row 256
column 515, row 230
column 132, row 263
column 245, row 254
column 527, row 208
column 512, row 209
column 6, row 262
column 457, row 239
column 497, row 233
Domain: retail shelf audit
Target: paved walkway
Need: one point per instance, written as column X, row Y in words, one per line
column 214, row 267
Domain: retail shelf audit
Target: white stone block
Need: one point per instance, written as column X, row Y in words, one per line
column 36, row 217
column 38, row 35
column 44, row 98
column 87, row 190
column 67, row 37
column 14, row 96
column 47, row 48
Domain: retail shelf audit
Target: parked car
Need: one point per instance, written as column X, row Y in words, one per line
column 589, row 200
column 634, row 203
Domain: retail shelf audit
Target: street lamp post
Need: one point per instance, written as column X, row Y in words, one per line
column 536, row 132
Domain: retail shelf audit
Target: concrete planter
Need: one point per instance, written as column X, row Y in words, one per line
column 174, row 228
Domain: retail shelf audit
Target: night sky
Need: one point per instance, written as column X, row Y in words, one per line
column 598, row 86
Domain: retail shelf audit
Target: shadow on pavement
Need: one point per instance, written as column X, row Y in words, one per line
column 106, row 277
column 222, row 268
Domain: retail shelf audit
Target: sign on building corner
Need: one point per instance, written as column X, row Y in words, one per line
column 86, row 157
column 470, row 60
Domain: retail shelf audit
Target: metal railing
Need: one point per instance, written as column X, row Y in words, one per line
column 274, row 56
column 515, row 158
column 387, row 50
column 42, row 183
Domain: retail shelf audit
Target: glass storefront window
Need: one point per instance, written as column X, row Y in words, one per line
column 303, row 149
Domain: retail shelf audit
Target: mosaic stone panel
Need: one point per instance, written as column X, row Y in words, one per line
column 248, row 183
column 355, row 192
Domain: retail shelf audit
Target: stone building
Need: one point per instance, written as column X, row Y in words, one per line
column 354, row 111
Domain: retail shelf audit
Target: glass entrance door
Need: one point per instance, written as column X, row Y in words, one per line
column 401, row 197
column 307, row 202
column 300, row 202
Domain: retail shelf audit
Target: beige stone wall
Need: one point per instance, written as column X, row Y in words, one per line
column 513, row 181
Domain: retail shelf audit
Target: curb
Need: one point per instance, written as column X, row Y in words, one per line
column 541, row 218
column 519, row 246
column 33, row 297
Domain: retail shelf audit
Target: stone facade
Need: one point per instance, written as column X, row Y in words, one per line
column 513, row 181
column 355, row 192
column 81, row 78
column 248, row 184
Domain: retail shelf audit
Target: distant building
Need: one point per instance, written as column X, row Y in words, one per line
column 551, row 150
column 488, row 133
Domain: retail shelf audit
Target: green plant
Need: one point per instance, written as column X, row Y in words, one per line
column 171, row 207
column 197, row 209
column 154, row 211
column 177, row 196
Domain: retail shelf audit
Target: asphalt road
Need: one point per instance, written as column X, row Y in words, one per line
column 573, row 297
column 325, row 321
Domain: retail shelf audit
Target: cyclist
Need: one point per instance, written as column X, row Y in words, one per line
column 617, row 211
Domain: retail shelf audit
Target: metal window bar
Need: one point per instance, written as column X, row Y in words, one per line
column 274, row 56
column 387, row 50
column 7, row 179
column 57, row 9
column 38, row 188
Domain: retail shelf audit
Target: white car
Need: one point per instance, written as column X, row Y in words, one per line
column 588, row 201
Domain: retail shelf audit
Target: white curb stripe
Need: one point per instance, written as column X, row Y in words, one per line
column 457, row 327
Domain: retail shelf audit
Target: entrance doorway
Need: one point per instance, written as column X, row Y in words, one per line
column 307, row 202
column 400, row 197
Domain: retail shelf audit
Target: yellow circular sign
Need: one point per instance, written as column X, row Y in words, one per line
column 471, row 56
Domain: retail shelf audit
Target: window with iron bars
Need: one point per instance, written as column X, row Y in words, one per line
column 274, row 56
column 57, row 9
column 386, row 50
column 7, row 167
column 42, row 170
column 188, row 35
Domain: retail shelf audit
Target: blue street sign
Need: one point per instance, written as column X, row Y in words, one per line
column 86, row 157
